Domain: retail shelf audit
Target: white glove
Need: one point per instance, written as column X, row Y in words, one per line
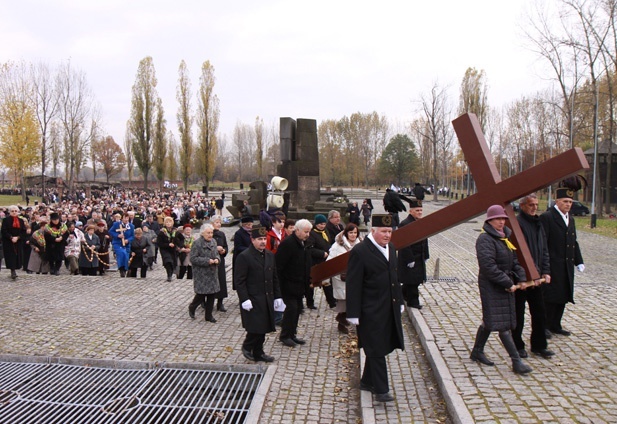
column 279, row 306
column 354, row 321
column 402, row 308
column 411, row 264
column 580, row 267
column 247, row 305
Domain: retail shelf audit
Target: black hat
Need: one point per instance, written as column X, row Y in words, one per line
column 381, row 220
column 564, row 192
column 257, row 232
column 246, row 218
column 54, row 215
column 413, row 203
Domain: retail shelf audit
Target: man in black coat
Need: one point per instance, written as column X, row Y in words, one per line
column 412, row 260
column 419, row 191
column 375, row 304
column 564, row 255
column 533, row 231
column 242, row 241
column 293, row 263
column 258, row 291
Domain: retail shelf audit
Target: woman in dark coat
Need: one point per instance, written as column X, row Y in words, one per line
column 13, row 235
column 167, row 246
column 499, row 272
column 139, row 250
column 56, row 235
column 183, row 241
column 206, row 260
column 104, row 239
column 221, row 245
column 319, row 244
column 88, row 259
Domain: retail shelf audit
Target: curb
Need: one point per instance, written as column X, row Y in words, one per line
column 454, row 402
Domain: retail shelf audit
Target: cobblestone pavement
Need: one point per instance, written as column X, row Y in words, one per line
column 147, row 320
column 578, row 385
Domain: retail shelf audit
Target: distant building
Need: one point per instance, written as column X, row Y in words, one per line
column 602, row 169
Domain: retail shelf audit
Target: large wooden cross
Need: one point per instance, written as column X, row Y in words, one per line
column 491, row 190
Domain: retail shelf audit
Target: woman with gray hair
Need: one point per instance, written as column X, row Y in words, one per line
column 206, row 261
column 221, row 246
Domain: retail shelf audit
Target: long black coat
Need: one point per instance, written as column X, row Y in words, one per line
column 13, row 252
column 164, row 239
column 499, row 270
column 293, row 264
column 374, row 296
column 137, row 247
column 221, row 240
column 257, row 281
column 564, row 254
column 418, row 253
column 242, row 241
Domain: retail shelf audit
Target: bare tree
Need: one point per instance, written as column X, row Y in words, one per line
column 45, row 104
column 207, row 124
column 259, row 144
column 185, row 122
column 77, row 116
column 141, row 123
column 128, row 152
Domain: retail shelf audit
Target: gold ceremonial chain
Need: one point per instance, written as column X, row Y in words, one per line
column 94, row 253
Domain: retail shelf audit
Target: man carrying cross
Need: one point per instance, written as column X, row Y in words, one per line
column 122, row 233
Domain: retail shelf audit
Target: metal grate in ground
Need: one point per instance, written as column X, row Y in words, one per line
column 443, row 280
column 57, row 393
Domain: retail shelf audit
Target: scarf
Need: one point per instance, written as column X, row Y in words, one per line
column 508, row 243
column 16, row 223
column 323, row 234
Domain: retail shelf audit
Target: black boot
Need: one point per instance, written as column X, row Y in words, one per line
column 220, row 307
column 477, row 354
column 518, row 366
column 13, row 274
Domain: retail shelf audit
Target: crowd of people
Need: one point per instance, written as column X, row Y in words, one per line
column 271, row 265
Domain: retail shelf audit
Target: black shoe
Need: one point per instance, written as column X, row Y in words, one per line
column 384, row 397
column 366, row 387
column 548, row 334
column 264, row 358
column 191, row 313
column 312, row 307
column 298, row 341
column 545, row 353
column 562, row 332
column 479, row 356
column 168, row 279
column 523, row 353
column 221, row 307
column 416, row 306
column 211, row 319
column 248, row 355
column 300, row 311
column 13, row 274
column 288, row 342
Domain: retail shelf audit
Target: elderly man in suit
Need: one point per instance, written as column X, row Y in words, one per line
column 375, row 304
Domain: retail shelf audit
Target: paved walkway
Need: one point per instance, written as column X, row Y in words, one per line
column 110, row 317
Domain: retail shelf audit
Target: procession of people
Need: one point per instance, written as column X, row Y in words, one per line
column 271, row 266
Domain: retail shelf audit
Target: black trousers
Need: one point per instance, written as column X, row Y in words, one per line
column 170, row 269
column 411, row 294
column 142, row 272
column 376, row 374
column 554, row 313
column 534, row 298
column 188, row 270
column 289, row 326
column 254, row 343
column 88, row 271
column 201, row 298
column 328, row 292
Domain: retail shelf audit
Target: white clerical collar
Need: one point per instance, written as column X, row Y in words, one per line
column 384, row 250
column 565, row 216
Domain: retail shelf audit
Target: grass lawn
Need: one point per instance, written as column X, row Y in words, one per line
column 8, row 200
column 604, row 226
